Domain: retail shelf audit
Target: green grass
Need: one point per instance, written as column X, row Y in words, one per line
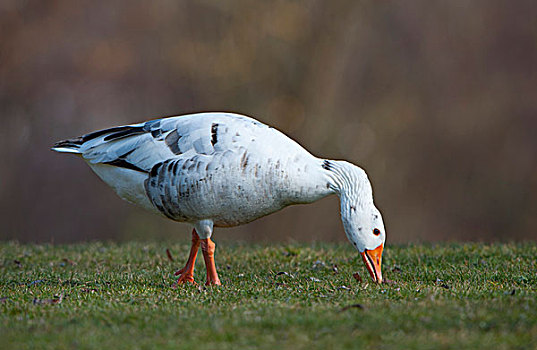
column 118, row 296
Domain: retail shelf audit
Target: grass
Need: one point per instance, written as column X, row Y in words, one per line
column 118, row 296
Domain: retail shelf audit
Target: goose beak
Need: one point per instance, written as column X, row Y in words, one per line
column 373, row 260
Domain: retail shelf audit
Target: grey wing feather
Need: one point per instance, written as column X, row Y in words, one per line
column 142, row 146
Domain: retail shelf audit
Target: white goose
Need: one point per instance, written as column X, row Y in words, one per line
column 225, row 169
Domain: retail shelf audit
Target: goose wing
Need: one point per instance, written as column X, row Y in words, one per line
column 141, row 146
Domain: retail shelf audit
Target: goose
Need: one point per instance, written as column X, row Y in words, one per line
column 218, row 169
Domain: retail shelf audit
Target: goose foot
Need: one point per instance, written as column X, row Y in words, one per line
column 208, row 248
column 186, row 274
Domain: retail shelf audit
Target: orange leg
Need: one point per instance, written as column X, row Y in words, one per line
column 208, row 247
column 187, row 272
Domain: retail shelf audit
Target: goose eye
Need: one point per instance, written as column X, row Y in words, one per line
column 376, row 232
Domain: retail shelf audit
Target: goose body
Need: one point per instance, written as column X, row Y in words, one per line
column 220, row 169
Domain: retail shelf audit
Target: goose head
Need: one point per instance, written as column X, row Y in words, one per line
column 362, row 221
column 365, row 230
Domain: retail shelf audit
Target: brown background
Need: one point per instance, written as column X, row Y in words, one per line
column 436, row 100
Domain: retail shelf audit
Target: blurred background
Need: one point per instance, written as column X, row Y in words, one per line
column 437, row 100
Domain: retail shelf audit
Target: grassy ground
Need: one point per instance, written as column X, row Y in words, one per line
column 111, row 296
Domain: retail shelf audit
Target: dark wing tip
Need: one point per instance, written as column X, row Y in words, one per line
column 114, row 133
column 71, row 143
column 124, row 131
column 122, row 163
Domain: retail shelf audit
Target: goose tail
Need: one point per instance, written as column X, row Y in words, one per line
column 68, row 146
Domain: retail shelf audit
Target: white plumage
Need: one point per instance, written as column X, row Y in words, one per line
column 224, row 169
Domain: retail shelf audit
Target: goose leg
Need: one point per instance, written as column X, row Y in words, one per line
column 207, row 248
column 187, row 272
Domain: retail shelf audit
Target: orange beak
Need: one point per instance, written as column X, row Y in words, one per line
column 373, row 260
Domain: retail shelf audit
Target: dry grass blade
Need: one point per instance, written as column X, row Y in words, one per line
column 357, row 277
column 53, row 301
column 169, row 255
column 353, row 306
